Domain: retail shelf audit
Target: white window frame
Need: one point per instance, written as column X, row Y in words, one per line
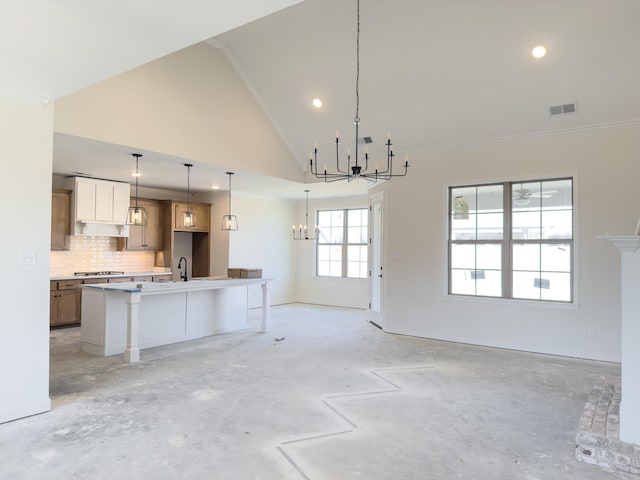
column 345, row 244
column 508, row 242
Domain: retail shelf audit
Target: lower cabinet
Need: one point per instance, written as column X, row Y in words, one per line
column 65, row 296
column 65, row 300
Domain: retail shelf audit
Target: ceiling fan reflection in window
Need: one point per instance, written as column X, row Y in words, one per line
column 523, row 196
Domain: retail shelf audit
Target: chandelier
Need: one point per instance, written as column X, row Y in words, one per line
column 355, row 167
column 303, row 231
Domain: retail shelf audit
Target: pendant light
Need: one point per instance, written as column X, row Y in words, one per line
column 188, row 218
column 229, row 222
column 303, row 231
column 136, row 215
column 356, row 167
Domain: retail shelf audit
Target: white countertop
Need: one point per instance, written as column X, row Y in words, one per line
column 125, row 274
column 156, row 288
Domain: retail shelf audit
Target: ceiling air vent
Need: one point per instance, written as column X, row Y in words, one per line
column 560, row 109
column 365, row 140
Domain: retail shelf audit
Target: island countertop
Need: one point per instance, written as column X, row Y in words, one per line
column 161, row 287
column 125, row 317
column 118, row 275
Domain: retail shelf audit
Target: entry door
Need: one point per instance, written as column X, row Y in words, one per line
column 376, row 272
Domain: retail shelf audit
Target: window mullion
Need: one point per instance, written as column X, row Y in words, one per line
column 507, row 241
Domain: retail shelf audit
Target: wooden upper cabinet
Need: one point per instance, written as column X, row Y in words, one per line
column 150, row 236
column 202, row 212
column 60, row 219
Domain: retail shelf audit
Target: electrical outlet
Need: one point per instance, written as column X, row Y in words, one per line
column 591, row 332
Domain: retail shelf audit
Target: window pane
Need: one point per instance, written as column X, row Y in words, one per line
column 556, row 258
column 526, row 225
column 557, row 224
column 463, row 201
column 357, row 218
column 526, row 257
column 324, row 253
column 490, row 198
column 328, row 257
column 463, row 228
column 489, row 256
column 357, row 261
column 462, row 283
column 357, row 235
column 525, row 196
column 489, row 284
column 490, row 226
column 524, row 285
column 463, row 256
column 557, row 194
column 557, row 287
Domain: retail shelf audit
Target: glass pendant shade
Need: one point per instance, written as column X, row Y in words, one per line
column 137, row 215
column 229, row 222
column 188, row 218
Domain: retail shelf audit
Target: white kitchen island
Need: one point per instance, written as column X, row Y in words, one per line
column 125, row 317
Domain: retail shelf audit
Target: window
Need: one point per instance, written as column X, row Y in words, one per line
column 342, row 243
column 512, row 240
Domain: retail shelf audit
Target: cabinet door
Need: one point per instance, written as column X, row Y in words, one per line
column 85, row 200
column 121, row 193
column 201, row 213
column 147, row 237
column 60, row 211
column 104, row 202
column 155, row 226
column 67, row 307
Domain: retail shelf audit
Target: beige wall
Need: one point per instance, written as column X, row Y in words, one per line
column 190, row 104
column 26, row 136
column 607, row 200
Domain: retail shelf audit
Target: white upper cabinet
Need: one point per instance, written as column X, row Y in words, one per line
column 99, row 206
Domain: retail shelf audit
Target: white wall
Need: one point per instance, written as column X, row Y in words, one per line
column 26, row 151
column 341, row 292
column 607, row 200
column 263, row 240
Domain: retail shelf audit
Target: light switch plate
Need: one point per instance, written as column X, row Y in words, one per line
column 28, row 258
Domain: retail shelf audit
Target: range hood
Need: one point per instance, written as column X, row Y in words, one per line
column 99, row 207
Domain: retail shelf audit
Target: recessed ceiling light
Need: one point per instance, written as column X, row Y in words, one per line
column 539, row 51
column 215, row 187
column 136, row 174
column 317, row 102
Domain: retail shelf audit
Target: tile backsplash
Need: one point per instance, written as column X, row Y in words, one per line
column 90, row 254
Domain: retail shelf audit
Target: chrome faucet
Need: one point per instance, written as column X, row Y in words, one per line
column 184, row 275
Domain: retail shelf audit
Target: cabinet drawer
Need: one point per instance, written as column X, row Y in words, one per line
column 89, row 281
column 69, row 284
column 121, row 279
column 162, row 278
column 143, row 278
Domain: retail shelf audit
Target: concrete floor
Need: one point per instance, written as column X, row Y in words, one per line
column 336, row 399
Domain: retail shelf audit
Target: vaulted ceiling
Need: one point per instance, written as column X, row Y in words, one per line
column 434, row 73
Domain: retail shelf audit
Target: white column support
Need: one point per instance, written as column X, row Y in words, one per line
column 266, row 306
column 629, row 246
column 132, row 350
